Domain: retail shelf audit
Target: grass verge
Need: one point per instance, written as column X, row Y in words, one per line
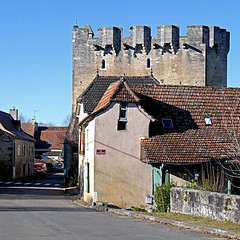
column 224, row 225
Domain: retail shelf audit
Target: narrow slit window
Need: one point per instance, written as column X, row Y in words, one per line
column 148, row 63
column 103, row 64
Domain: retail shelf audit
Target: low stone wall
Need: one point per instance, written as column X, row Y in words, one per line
column 205, row 204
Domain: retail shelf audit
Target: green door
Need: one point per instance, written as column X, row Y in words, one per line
column 157, row 177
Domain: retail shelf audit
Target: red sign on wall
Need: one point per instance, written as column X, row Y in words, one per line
column 101, row 151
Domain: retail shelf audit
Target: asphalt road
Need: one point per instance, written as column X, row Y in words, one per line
column 42, row 212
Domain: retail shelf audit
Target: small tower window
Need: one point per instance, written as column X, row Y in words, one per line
column 103, row 64
column 148, row 63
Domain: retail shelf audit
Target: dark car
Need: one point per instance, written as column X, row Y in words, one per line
column 59, row 167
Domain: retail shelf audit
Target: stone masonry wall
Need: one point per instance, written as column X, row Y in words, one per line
column 205, row 204
column 24, row 158
column 199, row 59
column 6, row 156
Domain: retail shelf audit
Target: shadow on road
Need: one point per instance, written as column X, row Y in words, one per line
column 30, row 193
column 44, row 209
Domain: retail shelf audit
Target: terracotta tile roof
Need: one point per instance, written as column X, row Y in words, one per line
column 28, row 128
column 191, row 140
column 191, row 146
column 95, row 91
column 8, row 124
column 107, row 97
column 217, row 103
column 119, row 91
column 52, row 137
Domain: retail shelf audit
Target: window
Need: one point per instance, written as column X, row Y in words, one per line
column 148, row 63
column 103, row 64
column 208, row 121
column 19, row 150
column 23, row 150
column 167, row 123
column 122, row 120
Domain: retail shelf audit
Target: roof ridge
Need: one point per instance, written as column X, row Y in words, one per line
column 105, row 97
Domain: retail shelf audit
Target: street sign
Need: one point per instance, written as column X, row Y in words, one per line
column 101, row 151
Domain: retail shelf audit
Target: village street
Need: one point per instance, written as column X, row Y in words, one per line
column 38, row 210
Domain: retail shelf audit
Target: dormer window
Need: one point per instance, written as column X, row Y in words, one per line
column 122, row 120
column 167, row 122
column 208, row 121
column 103, row 64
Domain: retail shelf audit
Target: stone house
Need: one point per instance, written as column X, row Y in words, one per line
column 134, row 136
column 16, row 147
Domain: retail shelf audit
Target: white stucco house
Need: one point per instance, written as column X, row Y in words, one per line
column 109, row 146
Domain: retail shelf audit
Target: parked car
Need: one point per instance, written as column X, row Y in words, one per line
column 40, row 169
column 59, row 167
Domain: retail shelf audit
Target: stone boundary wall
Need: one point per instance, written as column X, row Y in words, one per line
column 215, row 205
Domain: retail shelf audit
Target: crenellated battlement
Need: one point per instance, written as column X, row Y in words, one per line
column 140, row 37
column 199, row 58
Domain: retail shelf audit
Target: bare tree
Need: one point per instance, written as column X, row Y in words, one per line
column 67, row 120
column 232, row 144
column 50, row 124
column 24, row 118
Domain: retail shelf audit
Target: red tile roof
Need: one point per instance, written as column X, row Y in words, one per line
column 191, row 140
column 28, row 128
column 216, row 103
column 118, row 91
column 55, row 136
column 191, row 146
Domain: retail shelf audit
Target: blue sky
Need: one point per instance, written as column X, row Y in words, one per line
column 36, row 43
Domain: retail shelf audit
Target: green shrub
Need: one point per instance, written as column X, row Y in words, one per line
column 205, row 187
column 162, row 197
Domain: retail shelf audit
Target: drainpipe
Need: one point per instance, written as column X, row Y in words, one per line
column 161, row 173
column 13, row 160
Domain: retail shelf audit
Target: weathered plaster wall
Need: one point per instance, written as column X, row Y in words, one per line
column 120, row 177
column 89, row 158
column 206, row 204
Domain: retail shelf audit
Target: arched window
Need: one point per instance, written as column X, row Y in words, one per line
column 103, row 64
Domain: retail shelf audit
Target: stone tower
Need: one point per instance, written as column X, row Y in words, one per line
column 198, row 59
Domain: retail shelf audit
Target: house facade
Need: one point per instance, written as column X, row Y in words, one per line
column 100, row 152
column 139, row 136
column 112, row 168
column 17, row 149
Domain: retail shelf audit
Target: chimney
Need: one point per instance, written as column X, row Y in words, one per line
column 14, row 113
